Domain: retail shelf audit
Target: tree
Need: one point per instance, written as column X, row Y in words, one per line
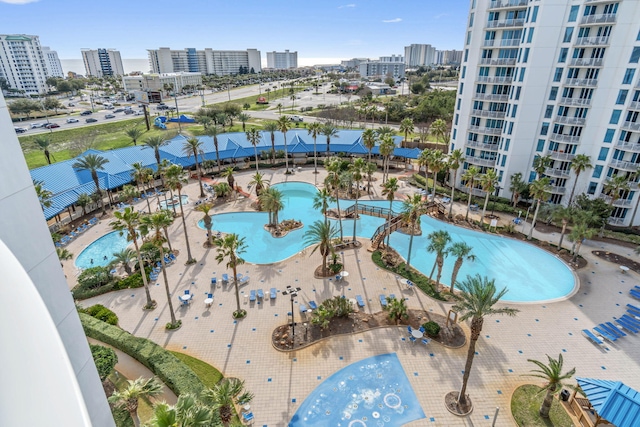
column 229, row 248
column 228, row 173
column 314, row 130
column 224, row 394
column 134, row 133
column 136, row 389
column 187, row 412
column 271, row 200
column 321, row 201
column 244, row 118
column 412, row 208
column 489, row 180
column 438, row 242
column 92, row 163
column 461, row 251
column 272, row 127
column 105, row 359
column 540, row 189
column 437, row 163
column 83, row 201
column 205, row 208
column 213, row 132
column 333, row 181
column 397, row 309
column 123, row 258
column 194, row 146
column 63, row 254
column 386, row 150
column 44, row 195
column 406, row 127
column 580, row 163
column 417, row 88
column 517, row 186
column 389, row 191
column 51, row 103
column 369, row 140
column 541, row 164
column 615, row 187
column 356, row 169
column 329, row 131
column 321, row 234
column 455, row 159
column 176, row 181
column 259, row 183
column 554, row 379
column 477, row 298
column 128, row 222
column 24, row 106
column 470, row 175
column 283, row 126
column 43, row 143
column 563, row 215
column 439, row 129
column 253, row 136
column 579, row 233
column 141, row 176
column 424, row 160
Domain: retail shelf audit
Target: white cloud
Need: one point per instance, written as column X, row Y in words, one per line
column 344, row 6
column 389, row 21
column 442, row 15
column 18, row 1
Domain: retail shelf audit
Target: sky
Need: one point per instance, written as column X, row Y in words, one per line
column 321, row 31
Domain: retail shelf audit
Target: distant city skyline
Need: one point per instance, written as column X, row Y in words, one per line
column 321, row 31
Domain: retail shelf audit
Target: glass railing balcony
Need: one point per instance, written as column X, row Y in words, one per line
column 581, row 82
column 559, row 155
column 497, row 61
column 557, row 137
column 482, row 145
column 501, row 4
column 575, row 101
column 486, row 113
column 491, row 97
column 631, row 126
column 500, row 80
column 480, row 161
column 558, row 190
column 485, row 130
column 586, row 62
column 558, row 173
column 628, row 146
column 488, row 43
column 598, row 19
column 509, row 42
column 624, row 165
column 570, row 120
column 592, row 41
column 635, row 105
column 505, row 23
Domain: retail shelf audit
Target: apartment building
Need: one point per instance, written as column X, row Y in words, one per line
column 102, row 62
column 387, row 65
column 417, row 55
column 207, row 61
column 448, row 57
column 282, row 60
column 23, row 64
column 54, row 67
column 156, row 82
column 553, row 78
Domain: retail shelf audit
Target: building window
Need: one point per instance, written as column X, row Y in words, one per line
column 628, row 76
column 458, row 106
column 622, row 96
column 466, row 55
column 506, row 144
column 554, row 93
column 532, row 176
column 468, row 37
column 603, row 153
column 558, row 75
column 521, row 77
column 635, row 55
column 548, row 112
column 471, row 19
column 461, row 87
column 573, row 14
column 464, row 71
column 504, row 161
column 608, row 136
column 454, row 133
column 530, row 35
column 592, row 188
column 545, row 128
column 597, row 171
column 518, row 90
column 534, row 15
column 563, row 54
column 615, row 117
column 510, row 128
column 526, row 55
column 568, row 32
column 515, row 109
column 540, row 145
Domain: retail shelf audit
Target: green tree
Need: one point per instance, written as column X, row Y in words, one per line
column 24, row 106
column 369, row 141
column 540, row 189
column 92, row 163
column 229, row 248
column 437, row 163
column 272, row 127
column 329, row 131
column 43, row 142
column 333, row 166
column 462, row 252
column 213, row 132
column 563, row 215
column 439, row 129
column 259, row 183
column 615, row 187
column 134, row 133
column 553, row 378
column 176, row 181
column 193, row 146
column 389, row 191
column 83, row 201
column 155, row 143
column 476, row 300
column 579, row 164
column 136, row 389
column 44, row 195
column 224, row 395
column 454, row 160
column 517, row 186
column 105, row 359
column 397, row 309
column 314, row 130
column 412, row 209
column 244, row 118
column 51, row 103
column 63, row 254
column 322, row 235
column 142, row 176
column 253, row 136
column 578, row 234
column 321, row 201
column 489, row 180
column 406, row 127
column 187, row 412
column 228, row 173
column 271, row 199
column 205, row 208
column 470, row 175
column 387, row 145
column 541, row 163
column 124, row 258
column 283, row 126
column 438, row 242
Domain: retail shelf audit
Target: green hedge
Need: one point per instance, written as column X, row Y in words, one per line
column 409, row 273
column 80, row 292
column 101, row 312
column 167, row 367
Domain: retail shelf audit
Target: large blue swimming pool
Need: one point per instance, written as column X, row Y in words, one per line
column 94, row 254
column 529, row 273
column 372, row 392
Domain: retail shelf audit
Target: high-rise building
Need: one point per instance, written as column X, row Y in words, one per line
column 448, row 57
column 22, row 63
column 419, row 55
column 555, row 78
column 353, row 62
column 387, row 65
column 282, row 60
column 54, row 67
column 207, row 61
column 102, row 62
column 156, row 82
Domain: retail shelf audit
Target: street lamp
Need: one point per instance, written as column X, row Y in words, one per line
column 294, row 293
column 493, row 205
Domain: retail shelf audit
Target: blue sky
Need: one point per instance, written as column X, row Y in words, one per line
column 320, row 30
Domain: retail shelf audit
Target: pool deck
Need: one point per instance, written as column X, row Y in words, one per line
column 281, row 381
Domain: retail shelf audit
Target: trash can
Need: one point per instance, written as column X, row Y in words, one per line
column 564, row 395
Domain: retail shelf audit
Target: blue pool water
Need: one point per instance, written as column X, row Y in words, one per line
column 164, row 205
column 98, row 249
column 372, row 392
column 529, row 273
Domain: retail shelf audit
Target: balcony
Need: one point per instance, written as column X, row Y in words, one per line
column 491, row 97
column 481, row 161
column 498, row 80
column 486, row 131
column 488, row 43
column 503, row 4
column 579, row 102
column 570, row 120
column 592, row 41
column 581, row 82
column 498, row 61
column 598, row 19
column 624, row 165
column 558, row 173
column 558, row 137
column 558, row 155
column 635, row 105
column 509, row 42
column 505, row 23
column 586, row 62
column 486, row 113
column 633, row 126
column 558, row 190
column 628, row 146
column 481, row 145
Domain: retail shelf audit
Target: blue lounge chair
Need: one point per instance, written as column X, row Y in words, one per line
column 260, row 294
column 587, row 333
column 628, row 326
column 186, row 291
column 517, row 221
column 634, row 293
column 225, row 279
column 635, row 322
column 313, row 305
column 605, row 334
column 392, row 296
column 303, row 308
column 610, row 327
column 243, row 281
column 383, row 300
column 273, row 294
column 247, row 416
column 214, row 281
column 633, row 307
column 426, row 341
column 360, row 300
column 473, row 207
column 446, row 199
column 172, row 257
column 252, row 295
column 634, row 314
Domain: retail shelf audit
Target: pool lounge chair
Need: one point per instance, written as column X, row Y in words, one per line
column 252, row 295
column 611, row 328
column 247, row 417
column 587, row 333
column 635, row 322
column 303, row 308
column 214, row 281
column 628, row 326
column 383, row 300
column 446, row 199
column 426, row 341
column 605, row 334
column 260, row 294
column 225, row 279
column 273, row 294
column 473, row 208
column 633, row 307
column 313, row 305
column 634, row 293
column 633, row 313
column 243, row 281
column 360, row 300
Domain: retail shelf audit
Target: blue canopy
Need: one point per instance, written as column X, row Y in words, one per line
column 613, row 401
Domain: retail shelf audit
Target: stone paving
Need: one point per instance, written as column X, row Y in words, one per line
column 281, row 381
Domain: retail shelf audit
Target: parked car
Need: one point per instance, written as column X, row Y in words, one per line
column 20, row 130
column 109, row 116
column 162, row 107
column 129, row 111
column 71, row 104
column 51, row 125
column 37, row 125
column 118, row 110
column 91, row 120
column 139, row 113
column 86, row 113
column 72, row 120
column 296, row 119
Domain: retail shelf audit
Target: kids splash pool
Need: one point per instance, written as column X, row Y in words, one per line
column 94, row 254
column 529, row 273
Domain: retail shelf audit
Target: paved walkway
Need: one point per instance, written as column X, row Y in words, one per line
column 281, row 381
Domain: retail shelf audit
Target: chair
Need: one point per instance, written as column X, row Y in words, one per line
column 225, row 279
column 248, row 417
column 303, row 308
column 633, row 307
column 186, row 291
column 610, row 328
column 628, row 326
column 517, row 221
column 209, row 300
column 473, row 208
column 252, row 295
column 273, row 294
column 426, row 341
column 446, row 199
column 260, row 294
column 635, row 322
column 172, row 257
column 360, row 300
column 243, row 281
column 214, row 281
column 412, row 339
column 421, row 329
column 634, row 293
column 587, row 333
column 338, row 278
column 383, row 300
column 409, row 328
column 313, row 305
column 605, row 334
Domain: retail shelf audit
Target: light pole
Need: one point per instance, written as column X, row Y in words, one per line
column 493, row 205
column 293, row 292
column 175, row 98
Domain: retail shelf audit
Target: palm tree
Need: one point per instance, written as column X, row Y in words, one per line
column 356, row 169
column 43, row 143
column 230, row 247
column 579, row 233
column 208, row 222
column 461, row 251
column 539, row 189
column 175, row 181
column 476, row 299
column 187, row 412
column 259, row 183
column 123, row 258
column 370, row 168
column 438, row 242
column 329, row 131
column 128, row 398
column 615, row 187
column 271, row 200
column 580, row 163
column 44, row 195
column 279, row 107
column 272, row 127
column 439, row 129
column 244, row 118
column 333, row 165
column 369, row 140
column 424, row 160
column 517, row 186
column 128, row 193
column 155, row 143
column 386, row 150
column 222, row 119
column 541, row 163
column 228, row 173
column 83, row 201
column 470, row 175
column 553, row 380
column 489, row 180
column 411, row 211
column 322, row 235
column 455, row 159
column 141, row 176
column 314, row 130
column 134, row 133
column 92, row 163
column 213, row 132
column 321, row 201
column 155, row 223
column 437, row 163
column 253, row 136
column 406, row 127
column 283, row 126
column 564, row 215
column 194, row 146
column 63, row 254
column 389, row 191
column 224, row 395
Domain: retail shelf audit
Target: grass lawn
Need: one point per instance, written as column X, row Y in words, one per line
column 272, row 96
column 525, row 404
column 209, row 375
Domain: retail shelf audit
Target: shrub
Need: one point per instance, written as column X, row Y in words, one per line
column 431, row 328
column 94, row 277
column 174, row 373
column 132, row 282
column 420, row 280
column 79, row 293
column 150, row 253
column 105, row 359
column 102, row 313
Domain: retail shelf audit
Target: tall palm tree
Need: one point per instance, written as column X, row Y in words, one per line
column 187, row 412
column 406, row 127
column 141, row 176
column 92, row 163
column 63, row 254
column 616, row 186
column 321, row 201
column 477, row 298
column 329, row 131
column 83, row 201
column 134, row 133
column 580, row 163
column 369, row 140
column 322, row 235
column 356, row 169
column 272, row 127
column 128, row 193
column 553, row 378
column 370, row 168
column 224, row 395
column 438, row 163
column 314, row 130
column 155, row 143
column 563, row 215
column 455, row 159
column 386, row 150
column 539, row 189
column 259, row 183
column 517, row 186
column 470, row 175
column 44, row 195
column 124, row 258
column 578, row 234
column 489, row 180
column 166, row 227
column 424, row 160
column 411, row 211
column 229, row 248
column 283, row 126
column 175, row 181
column 205, row 208
column 461, row 251
column 439, row 129
column 155, row 223
column 244, row 118
column 438, row 242
column 253, row 136
column 389, row 191
column 43, row 142
column 228, row 173
column 541, row 163
column 271, row 199
column 193, row 146
column 333, row 166
column 140, row 388
column 213, row 132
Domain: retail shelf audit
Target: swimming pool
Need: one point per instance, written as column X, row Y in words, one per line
column 170, row 203
column 529, row 273
column 372, row 392
column 98, row 249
